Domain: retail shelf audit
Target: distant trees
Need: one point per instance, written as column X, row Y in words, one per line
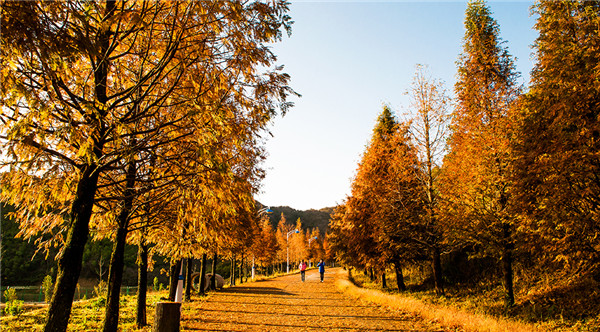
column 266, row 247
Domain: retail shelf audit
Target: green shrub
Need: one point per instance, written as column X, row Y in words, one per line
column 47, row 288
column 100, row 289
column 155, row 285
column 14, row 306
column 98, row 302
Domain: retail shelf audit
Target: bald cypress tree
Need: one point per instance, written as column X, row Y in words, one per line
column 476, row 178
column 381, row 222
column 558, row 160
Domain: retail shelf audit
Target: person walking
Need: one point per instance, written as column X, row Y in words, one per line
column 302, row 268
column 321, row 266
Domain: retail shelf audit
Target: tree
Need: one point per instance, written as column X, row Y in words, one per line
column 265, row 246
column 280, row 234
column 476, row 180
column 557, row 165
column 402, row 227
column 297, row 245
column 429, row 103
column 362, row 208
column 313, row 240
column 381, row 223
column 83, row 76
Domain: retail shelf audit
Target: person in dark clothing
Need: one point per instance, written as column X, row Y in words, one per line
column 321, row 266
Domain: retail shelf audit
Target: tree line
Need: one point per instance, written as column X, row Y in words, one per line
column 24, row 265
column 501, row 171
column 137, row 122
column 289, row 243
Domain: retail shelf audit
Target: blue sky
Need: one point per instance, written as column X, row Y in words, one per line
column 348, row 59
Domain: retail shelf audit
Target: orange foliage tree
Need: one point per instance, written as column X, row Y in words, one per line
column 95, row 85
column 381, row 222
column 476, row 177
column 558, row 163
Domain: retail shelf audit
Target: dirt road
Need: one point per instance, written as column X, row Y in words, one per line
column 288, row 304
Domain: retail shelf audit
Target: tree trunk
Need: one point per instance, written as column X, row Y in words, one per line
column 202, row 283
column 241, row 272
column 115, row 279
column 174, row 278
column 232, row 276
column 383, row 281
column 507, row 266
column 142, row 284
column 372, row 274
column 188, row 279
column 437, row 271
column 69, row 263
column 117, row 259
column 213, row 279
column 399, row 277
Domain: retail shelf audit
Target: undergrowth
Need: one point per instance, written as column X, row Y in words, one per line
column 88, row 315
column 553, row 303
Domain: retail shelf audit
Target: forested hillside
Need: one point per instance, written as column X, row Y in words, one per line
column 310, row 218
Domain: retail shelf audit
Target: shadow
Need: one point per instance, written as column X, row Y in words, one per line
column 574, row 302
column 320, row 315
column 256, row 291
column 274, row 327
column 316, row 298
column 272, row 295
column 289, row 304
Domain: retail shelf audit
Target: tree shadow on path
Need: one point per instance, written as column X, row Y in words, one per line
column 256, row 291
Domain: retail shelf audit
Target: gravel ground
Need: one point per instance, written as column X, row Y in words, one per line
column 288, row 304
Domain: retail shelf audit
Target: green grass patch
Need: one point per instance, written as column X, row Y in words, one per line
column 88, row 315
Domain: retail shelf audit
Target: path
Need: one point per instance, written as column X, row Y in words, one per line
column 288, row 304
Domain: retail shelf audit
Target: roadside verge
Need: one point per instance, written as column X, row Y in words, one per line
column 446, row 316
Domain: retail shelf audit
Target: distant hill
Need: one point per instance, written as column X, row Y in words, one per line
column 310, row 218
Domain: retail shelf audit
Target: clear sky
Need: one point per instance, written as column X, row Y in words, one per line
column 347, row 59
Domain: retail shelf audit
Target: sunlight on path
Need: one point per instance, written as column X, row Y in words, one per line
column 288, row 304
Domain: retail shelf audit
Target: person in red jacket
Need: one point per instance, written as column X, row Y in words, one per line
column 302, row 268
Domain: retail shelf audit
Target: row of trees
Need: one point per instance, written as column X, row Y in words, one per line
column 138, row 122
column 289, row 243
column 507, row 174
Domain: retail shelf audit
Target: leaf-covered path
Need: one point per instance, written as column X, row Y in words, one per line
column 288, row 304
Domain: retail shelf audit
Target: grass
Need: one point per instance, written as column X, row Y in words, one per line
column 481, row 308
column 88, row 315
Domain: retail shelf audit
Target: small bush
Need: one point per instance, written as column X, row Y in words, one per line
column 101, row 289
column 99, row 302
column 155, row 285
column 14, row 306
column 47, row 288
